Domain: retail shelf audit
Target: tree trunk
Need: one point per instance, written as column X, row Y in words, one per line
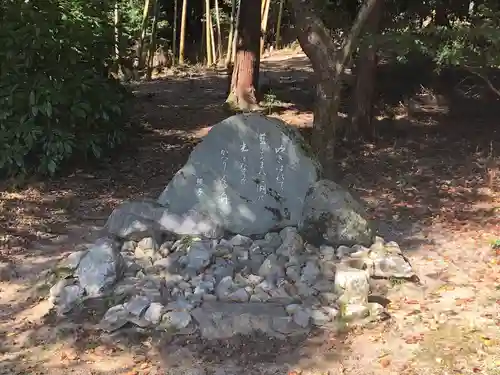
column 328, row 65
column 219, row 34
column 278, row 24
column 208, row 46
column 203, row 45
column 235, row 37
column 212, row 39
column 152, row 47
column 245, row 76
column 117, row 36
column 231, row 34
column 174, row 34
column 144, row 26
column 183, row 32
column 362, row 98
column 263, row 26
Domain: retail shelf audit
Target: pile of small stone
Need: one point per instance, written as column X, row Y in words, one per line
column 277, row 284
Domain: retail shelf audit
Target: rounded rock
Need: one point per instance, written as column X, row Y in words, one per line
column 176, row 320
column 301, row 317
column 319, row 318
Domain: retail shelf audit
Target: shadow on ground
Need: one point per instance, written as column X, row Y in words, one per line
column 150, row 352
column 75, row 348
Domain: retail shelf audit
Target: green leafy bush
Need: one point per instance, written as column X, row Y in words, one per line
column 468, row 39
column 131, row 17
column 56, row 99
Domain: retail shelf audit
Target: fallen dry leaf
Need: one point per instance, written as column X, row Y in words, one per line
column 487, row 341
column 414, row 312
column 446, row 288
column 385, row 362
column 393, row 306
column 412, row 301
column 69, row 355
column 463, row 301
column 414, row 339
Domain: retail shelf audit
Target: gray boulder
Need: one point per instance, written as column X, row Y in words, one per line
column 332, row 214
column 101, row 267
column 222, row 320
column 64, row 294
column 175, row 320
column 250, row 175
column 115, row 318
column 199, row 254
column 135, row 220
column 388, row 260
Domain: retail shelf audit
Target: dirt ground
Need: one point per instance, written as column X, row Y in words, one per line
column 422, row 178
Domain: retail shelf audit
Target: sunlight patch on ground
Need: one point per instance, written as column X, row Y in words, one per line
column 457, row 348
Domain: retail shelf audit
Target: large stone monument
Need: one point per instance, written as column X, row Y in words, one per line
column 245, row 237
column 251, row 174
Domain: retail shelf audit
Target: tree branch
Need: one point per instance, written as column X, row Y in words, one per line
column 485, row 80
column 313, row 35
column 352, row 39
column 316, row 41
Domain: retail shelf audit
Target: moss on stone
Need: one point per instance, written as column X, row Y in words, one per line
column 61, row 272
column 231, row 104
column 187, row 240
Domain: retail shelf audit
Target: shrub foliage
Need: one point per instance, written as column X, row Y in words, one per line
column 57, row 101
